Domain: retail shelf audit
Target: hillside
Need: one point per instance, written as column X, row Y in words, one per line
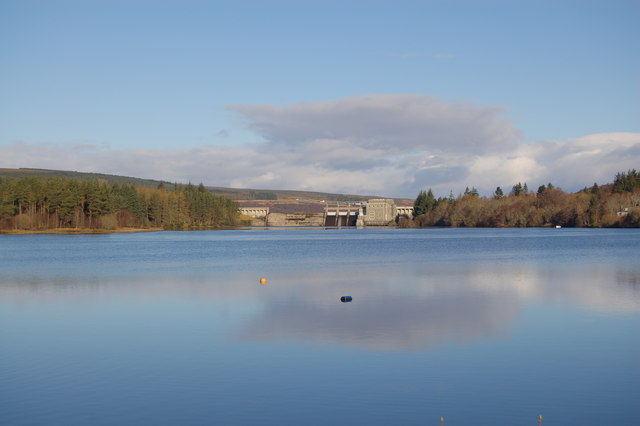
column 239, row 194
column 20, row 173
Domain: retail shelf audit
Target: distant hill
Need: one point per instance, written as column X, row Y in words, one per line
column 18, row 173
column 240, row 194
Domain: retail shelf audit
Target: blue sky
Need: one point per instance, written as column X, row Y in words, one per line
column 220, row 91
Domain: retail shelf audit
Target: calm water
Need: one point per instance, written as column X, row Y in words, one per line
column 480, row 326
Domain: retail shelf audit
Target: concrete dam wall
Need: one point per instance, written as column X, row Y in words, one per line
column 375, row 212
column 296, row 219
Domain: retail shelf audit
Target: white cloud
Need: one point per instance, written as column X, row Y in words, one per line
column 571, row 164
column 390, row 145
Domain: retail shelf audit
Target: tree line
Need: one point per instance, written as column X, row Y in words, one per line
column 36, row 203
column 612, row 205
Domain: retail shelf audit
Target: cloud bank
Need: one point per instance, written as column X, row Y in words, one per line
column 396, row 124
column 391, row 145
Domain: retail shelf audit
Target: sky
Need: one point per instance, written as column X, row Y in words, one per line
column 380, row 97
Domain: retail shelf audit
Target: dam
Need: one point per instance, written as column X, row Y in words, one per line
column 373, row 212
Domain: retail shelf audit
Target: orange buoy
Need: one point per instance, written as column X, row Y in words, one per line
column 263, row 281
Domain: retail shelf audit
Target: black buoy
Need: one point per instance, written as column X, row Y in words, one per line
column 345, row 299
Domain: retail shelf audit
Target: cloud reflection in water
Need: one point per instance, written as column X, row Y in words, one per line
column 394, row 307
column 427, row 307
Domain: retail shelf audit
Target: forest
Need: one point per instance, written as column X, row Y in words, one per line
column 612, row 205
column 43, row 204
column 40, row 204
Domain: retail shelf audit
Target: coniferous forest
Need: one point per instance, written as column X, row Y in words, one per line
column 612, row 205
column 40, row 204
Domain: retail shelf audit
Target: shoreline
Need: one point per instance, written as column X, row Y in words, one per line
column 89, row 231
column 76, row 231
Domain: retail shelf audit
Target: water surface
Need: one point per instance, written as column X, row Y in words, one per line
column 480, row 326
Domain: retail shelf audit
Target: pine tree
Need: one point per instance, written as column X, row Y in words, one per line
column 431, row 201
column 420, row 205
column 517, row 189
column 626, row 182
